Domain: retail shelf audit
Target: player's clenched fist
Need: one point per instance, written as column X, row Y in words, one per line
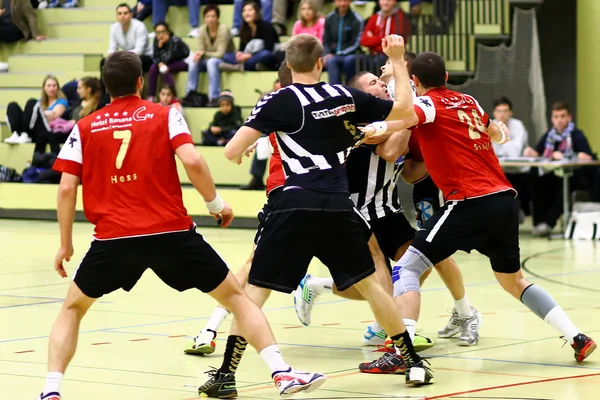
column 393, row 46
column 505, row 133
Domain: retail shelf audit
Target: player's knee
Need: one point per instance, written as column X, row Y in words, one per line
column 408, row 271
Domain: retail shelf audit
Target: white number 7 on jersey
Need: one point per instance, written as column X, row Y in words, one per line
column 464, row 117
column 125, row 136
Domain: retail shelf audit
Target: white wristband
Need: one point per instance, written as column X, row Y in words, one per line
column 503, row 139
column 216, row 205
column 380, row 127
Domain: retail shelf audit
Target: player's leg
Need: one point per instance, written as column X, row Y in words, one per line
column 197, row 258
column 344, row 251
column 503, row 251
column 204, row 343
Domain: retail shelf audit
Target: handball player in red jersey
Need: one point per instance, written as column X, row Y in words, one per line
column 481, row 212
column 124, row 156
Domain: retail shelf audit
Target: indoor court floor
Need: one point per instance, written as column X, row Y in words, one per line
column 131, row 344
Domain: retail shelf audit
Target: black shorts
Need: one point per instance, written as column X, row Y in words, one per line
column 391, row 232
column 292, row 237
column 488, row 224
column 426, row 197
column 182, row 260
column 262, row 214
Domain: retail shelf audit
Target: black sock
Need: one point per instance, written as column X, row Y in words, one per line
column 405, row 345
column 236, row 345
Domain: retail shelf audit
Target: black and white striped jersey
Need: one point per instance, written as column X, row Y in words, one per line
column 316, row 125
column 372, row 182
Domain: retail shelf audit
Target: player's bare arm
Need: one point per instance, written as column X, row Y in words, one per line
column 498, row 132
column 66, row 201
column 395, row 146
column 199, row 173
column 393, row 46
column 242, row 140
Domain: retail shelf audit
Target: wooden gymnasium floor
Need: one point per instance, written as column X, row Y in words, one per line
column 131, row 345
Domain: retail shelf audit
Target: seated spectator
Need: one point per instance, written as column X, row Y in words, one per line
column 168, row 97
column 562, row 141
column 341, row 40
column 18, row 22
column 89, row 92
column 266, row 8
column 33, row 123
column 519, row 138
column 388, row 20
column 64, row 4
column 310, row 21
column 169, row 57
column 128, row 34
column 443, row 11
column 214, row 42
column 257, row 42
column 160, row 8
column 142, row 10
column 225, row 123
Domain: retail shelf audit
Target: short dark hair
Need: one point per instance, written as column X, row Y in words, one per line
column 430, row 68
column 211, row 7
column 303, row 51
column 409, row 57
column 121, row 73
column 503, row 101
column 165, row 24
column 354, row 81
column 560, row 105
column 285, row 75
column 171, row 88
column 123, row 5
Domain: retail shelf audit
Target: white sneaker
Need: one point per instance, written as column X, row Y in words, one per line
column 24, row 138
column 291, row 382
column 13, row 139
column 43, row 4
column 372, row 338
column 49, row 396
column 203, row 344
column 304, row 300
column 3, row 67
column 195, row 32
column 469, row 329
column 151, row 35
column 452, row 328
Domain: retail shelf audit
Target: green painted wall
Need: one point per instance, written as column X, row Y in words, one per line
column 588, row 70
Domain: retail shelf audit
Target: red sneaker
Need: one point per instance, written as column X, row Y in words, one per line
column 388, row 363
column 583, row 346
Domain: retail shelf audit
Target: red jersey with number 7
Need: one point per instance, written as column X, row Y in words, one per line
column 456, row 148
column 124, row 154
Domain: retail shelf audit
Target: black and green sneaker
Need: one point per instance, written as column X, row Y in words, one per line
column 220, row 385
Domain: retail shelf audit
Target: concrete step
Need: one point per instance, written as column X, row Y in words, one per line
column 64, row 46
column 85, row 14
column 35, row 79
column 53, row 63
column 19, row 95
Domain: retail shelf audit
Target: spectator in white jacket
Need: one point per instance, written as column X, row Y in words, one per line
column 519, row 138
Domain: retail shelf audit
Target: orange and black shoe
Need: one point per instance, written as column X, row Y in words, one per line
column 583, row 346
column 388, row 363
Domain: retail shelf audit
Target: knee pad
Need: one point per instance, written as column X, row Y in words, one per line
column 408, row 270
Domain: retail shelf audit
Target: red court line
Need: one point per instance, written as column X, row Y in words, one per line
column 484, row 389
column 100, row 343
column 331, row 324
column 176, row 336
column 24, row 351
column 372, row 320
column 292, row 327
column 138, row 340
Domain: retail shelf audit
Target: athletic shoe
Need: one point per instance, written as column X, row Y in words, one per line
column 422, row 343
column 203, row 344
column 49, row 396
column 220, row 385
column 583, row 346
column 372, row 338
column 388, row 363
column 291, row 382
column 469, row 329
column 12, row 139
column 23, row 138
column 304, row 300
column 418, row 374
column 452, row 328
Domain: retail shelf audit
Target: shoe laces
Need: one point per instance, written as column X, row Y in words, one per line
column 212, row 372
column 383, row 349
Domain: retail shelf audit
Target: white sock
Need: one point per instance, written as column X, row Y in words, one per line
column 272, row 356
column 321, row 285
column 463, row 307
column 216, row 319
column 558, row 318
column 411, row 327
column 53, row 381
column 376, row 327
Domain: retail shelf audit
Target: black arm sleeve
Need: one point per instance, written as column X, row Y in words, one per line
column 279, row 111
column 370, row 108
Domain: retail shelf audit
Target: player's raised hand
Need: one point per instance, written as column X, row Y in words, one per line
column 64, row 253
column 225, row 215
column 393, row 46
column 505, row 132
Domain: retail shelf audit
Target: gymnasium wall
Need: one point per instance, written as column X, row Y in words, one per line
column 587, row 67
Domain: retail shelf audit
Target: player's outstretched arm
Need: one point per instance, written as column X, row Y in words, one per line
column 241, row 141
column 65, row 207
column 393, row 47
column 395, row 146
column 198, row 172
